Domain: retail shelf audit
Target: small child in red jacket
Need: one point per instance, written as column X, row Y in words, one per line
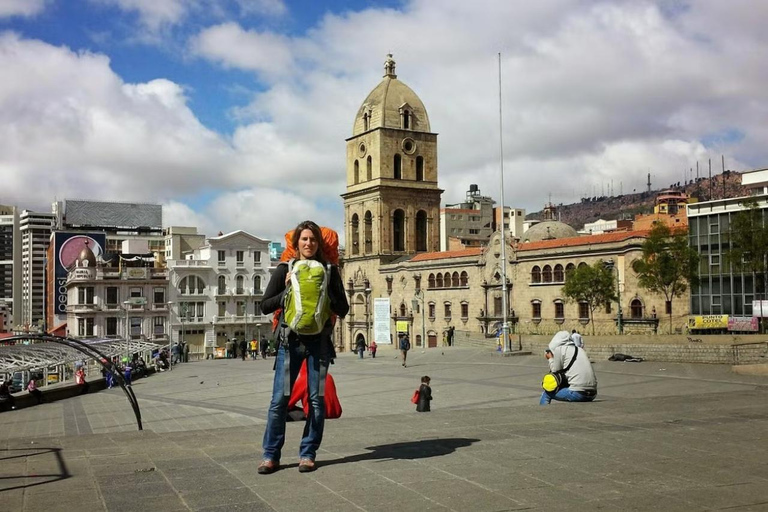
column 425, row 395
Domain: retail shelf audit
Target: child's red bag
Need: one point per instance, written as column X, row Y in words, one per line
column 299, row 393
column 415, row 397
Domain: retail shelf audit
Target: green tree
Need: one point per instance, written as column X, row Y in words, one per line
column 593, row 285
column 748, row 252
column 668, row 265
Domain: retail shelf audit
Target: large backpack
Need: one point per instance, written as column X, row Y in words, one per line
column 330, row 254
column 307, row 306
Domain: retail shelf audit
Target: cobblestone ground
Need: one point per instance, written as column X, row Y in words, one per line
column 660, row 436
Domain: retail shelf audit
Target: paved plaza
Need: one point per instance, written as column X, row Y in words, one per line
column 659, row 437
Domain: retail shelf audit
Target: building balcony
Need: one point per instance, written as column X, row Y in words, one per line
column 160, row 306
column 196, row 264
column 83, row 308
column 240, row 319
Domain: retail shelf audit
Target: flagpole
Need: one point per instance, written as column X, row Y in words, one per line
column 505, row 325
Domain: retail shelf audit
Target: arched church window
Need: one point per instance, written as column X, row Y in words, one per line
column 398, row 231
column 536, row 274
column 419, row 168
column 406, row 119
column 222, row 288
column 464, row 279
column 356, row 176
column 447, row 280
column 369, row 168
column 439, row 281
column 455, row 280
column 559, row 276
column 368, row 232
column 398, row 167
column 431, row 281
column 366, row 122
column 421, row 230
column 355, row 234
column 403, row 311
column 547, row 274
column 636, row 308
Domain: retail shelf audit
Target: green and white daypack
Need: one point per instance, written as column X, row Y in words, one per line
column 307, row 305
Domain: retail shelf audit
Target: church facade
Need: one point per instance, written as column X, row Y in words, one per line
column 392, row 231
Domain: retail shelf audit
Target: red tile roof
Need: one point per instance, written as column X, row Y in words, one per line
column 604, row 238
column 461, row 253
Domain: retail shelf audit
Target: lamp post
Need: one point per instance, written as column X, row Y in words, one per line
column 126, row 303
column 610, row 265
column 419, row 297
column 368, row 314
column 170, row 334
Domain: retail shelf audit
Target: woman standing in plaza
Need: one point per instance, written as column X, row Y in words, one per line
column 293, row 349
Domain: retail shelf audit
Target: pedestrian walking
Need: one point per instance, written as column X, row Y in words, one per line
column 405, row 346
column 243, row 348
column 263, row 346
column 373, row 348
column 254, row 348
column 425, row 395
column 360, row 347
column 185, row 352
column 577, row 339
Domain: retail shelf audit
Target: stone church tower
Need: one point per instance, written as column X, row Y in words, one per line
column 392, row 201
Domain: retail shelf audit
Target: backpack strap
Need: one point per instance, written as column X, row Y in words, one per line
column 573, row 359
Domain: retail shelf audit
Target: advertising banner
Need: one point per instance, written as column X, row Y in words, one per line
column 708, row 322
column 67, row 248
column 381, row 332
column 743, row 323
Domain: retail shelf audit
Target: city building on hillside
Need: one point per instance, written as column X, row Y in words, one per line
column 216, row 292
column 601, row 226
column 514, row 221
column 723, row 291
column 467, row 224
column 669, row 208
column 122, row 295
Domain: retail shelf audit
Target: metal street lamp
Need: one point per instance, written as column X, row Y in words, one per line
column 419, row 296
column 610, row 265
column 170, row 334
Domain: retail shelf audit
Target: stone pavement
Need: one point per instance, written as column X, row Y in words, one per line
column 660, row 437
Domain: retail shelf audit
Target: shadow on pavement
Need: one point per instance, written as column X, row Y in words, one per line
column 15, row 482
column 405, row 451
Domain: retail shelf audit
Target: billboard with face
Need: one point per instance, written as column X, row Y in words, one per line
column 66, row 249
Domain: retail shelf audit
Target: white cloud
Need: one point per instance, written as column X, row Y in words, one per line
column 153, row 13
column 231, row 46
column 26, row 8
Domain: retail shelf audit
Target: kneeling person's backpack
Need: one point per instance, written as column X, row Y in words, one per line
column 555, row 381
column 307, row 305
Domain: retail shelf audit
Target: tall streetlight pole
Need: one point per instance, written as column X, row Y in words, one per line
column 419, row 297
column 504, row 306
column 170, row 334
column 610, row 265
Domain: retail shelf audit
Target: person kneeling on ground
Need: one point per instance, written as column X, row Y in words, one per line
column 582, row 382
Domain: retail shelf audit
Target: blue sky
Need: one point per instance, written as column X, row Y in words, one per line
column 227, row 111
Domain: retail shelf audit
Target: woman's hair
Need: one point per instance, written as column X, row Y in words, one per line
column 308, row 224
column 425, row 379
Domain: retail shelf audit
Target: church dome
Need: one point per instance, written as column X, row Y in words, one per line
column 86, row 258
column 391, row 104
column 549, row 230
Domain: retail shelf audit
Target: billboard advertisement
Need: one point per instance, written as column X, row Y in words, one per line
column 743, row 323
column 708, row 322
column 381, row 333
column 66, row 249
